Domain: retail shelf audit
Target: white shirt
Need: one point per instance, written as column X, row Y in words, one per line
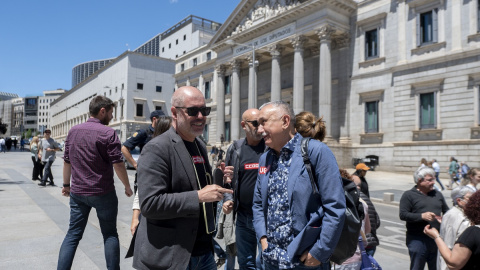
column 436, row 167
column 454, row 223
column 2, row 141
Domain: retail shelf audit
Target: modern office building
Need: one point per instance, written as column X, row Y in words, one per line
column 137, row 83
column 84, row 70
column 399, row 80
column 18, row 107
column 44, row 107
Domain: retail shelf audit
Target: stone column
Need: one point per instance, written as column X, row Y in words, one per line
column 276, row 92
column 201, row 83
column 325, row 75
column 298, row 75
column 220, row 101
column 401, row 21
column 188, row 81
column 252, row 82
column 235, row 119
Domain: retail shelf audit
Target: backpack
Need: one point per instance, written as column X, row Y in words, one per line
column 354, row 214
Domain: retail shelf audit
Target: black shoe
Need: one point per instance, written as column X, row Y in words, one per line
column 42, row 183
column 51, row 183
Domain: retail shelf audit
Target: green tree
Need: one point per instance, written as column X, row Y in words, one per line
column 29, row 133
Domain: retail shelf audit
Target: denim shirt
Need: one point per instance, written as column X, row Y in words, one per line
column 279, row 217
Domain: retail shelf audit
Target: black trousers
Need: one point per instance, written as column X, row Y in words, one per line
column 37, row 169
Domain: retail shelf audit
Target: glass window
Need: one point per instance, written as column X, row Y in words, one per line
column 426, row 27
column 205, row 133
column 163, row 49
column 371, row 44
column 159, row 88
column 169, row 45
column 158, row 108
column 371, row 117
column 209, row 54
column 182, row 67
column 184, row 37
column 139, row 111
column 427, row 110
column 227, row 85
column 140, row 86
column 227, row 131
column 176, row 42
column 194, row 62
column 207, row 89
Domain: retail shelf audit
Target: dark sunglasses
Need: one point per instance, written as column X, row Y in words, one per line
column 193, row 111
column 254, row 123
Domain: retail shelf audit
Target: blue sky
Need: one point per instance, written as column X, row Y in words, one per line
column 42, row 40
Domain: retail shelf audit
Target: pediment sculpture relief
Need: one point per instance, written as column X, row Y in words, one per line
column 263, row 11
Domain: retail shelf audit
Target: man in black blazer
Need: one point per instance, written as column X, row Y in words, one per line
column 176, row 192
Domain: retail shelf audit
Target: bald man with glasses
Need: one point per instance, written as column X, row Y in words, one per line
column 244, row 155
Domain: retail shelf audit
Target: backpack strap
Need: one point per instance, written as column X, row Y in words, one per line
column 308, row 164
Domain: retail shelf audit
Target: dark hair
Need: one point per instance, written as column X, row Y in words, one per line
column 98, row 103
column 308, row 126
column 163, row 124
column 345, row 174
column 472, row 209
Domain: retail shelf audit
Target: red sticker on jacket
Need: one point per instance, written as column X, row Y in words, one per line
column 263, row 170
column 198, row 160
column 251, row 166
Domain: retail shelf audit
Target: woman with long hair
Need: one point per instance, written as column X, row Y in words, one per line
column 466, row 252
column 37, row 173
column 472, row 179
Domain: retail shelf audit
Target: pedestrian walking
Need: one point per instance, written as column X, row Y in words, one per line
column 47, row 149
column 2, row 145
column 453, row 172
column 90, row 150
column 37, row 173
column 420, row 206
column 436, row 168
column 176, row 192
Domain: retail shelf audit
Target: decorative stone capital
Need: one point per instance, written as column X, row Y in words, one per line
column 236, row 64
column 341, row 40
column 315, row 50
column 250, row 59
column 276, row 50
column 298, row 42
column 325, row 32
column 220, row 69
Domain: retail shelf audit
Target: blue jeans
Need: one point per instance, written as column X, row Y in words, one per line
column 224, row 254
column 107, row 209
column 247, row 243
column 47, row 171
column 422, row 250
column 438, row 180
column 204, row 262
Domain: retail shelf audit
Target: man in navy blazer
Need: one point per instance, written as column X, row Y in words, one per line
column 296, row 227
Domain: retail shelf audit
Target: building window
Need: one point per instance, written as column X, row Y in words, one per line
column 184, row 52
column 182, row 67
column 227, row 85
column 163, row 49
column 140, row 86
column 169, row 45
column 158, row 108
column 176, row 55
column 371, row 117
column 371, row 44
column 123, row 86
column 207, row 90
column 121, row 111
column 427, row 27
column 139, row 111
column 116, row 89
column 159, row 88
column 427, row 111
column 209, row 54
column 104, row 94
column 205, row 133
column 227, row 131
column 194, row 62
column 176, row 42
column 110, row 92
column 184, row 37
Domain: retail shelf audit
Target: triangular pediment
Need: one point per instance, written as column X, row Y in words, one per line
column 250, row 13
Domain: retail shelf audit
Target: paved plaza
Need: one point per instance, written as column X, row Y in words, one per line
column 35, row 219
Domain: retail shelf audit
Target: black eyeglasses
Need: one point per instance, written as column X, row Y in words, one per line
column 193, row 111
column 254, row 123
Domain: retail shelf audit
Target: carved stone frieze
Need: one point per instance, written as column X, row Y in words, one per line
column 340, row 41
column 276, row 50
column 236, row 64
column 264, row 10
column 220, row 69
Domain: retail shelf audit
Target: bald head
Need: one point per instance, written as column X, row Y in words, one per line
column 184, row 92
column 250, row 114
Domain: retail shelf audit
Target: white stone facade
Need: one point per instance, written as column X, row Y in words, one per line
column 396, row 79
column 44, row 108
column 137, row 83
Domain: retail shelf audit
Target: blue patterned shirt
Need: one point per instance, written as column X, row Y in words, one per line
column 279, row 218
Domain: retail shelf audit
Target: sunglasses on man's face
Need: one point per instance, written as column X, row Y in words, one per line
column 193, row 111
column 254, row 123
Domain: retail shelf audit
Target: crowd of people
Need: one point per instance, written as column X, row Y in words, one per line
column 271, row 213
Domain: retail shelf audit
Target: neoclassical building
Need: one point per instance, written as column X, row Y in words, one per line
column 397, row 79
